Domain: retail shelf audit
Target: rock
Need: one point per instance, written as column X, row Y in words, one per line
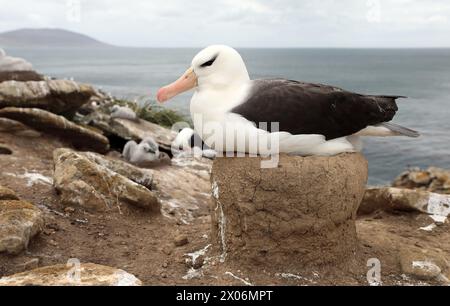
column 92, row 185
column 41, row 120
column 7, row 194
column 136, row 130
column 11, row 126
column 433, row 179
column 181, row 240
column 420, row 177
column 88, row 274
column 140, row 176
column 20, row 76
column 299, row 214
column 56, row 96
column 421, row 265
column 20, row 221
column 389, row 198
column 184, row 189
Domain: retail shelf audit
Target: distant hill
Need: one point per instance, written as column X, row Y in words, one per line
column 47, row 38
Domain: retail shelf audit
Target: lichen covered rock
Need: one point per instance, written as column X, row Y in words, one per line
column 56, row 96
column 89, row 183
column 72, row 275
column 19, row 222
column 41, row 120
column 432, row 179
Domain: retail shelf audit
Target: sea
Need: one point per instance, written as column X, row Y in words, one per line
column 423, row 75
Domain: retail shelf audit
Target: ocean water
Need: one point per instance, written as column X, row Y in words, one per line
column 423, row 75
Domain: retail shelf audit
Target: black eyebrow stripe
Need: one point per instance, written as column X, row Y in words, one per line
column 210, row 62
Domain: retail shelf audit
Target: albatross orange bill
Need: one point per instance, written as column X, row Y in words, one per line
column 187, row 81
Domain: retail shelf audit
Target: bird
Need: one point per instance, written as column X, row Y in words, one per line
column 140, row 154
column 123, row 112
column 233, row 113
column 188, row 143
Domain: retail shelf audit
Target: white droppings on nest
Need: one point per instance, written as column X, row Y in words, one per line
column 221, row 220
column 33, row 178
column 245, row 281
column 222, row 231
column 215, row 190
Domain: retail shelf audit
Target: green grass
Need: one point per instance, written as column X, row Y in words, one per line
column 150, row 111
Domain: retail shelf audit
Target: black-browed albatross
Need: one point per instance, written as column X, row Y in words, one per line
column 313, row 119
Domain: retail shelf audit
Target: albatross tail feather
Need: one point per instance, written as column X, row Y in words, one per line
column 400, row 130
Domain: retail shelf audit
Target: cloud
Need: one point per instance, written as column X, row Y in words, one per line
column 244, row 23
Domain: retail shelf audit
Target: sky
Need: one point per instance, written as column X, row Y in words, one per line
column 241, row 23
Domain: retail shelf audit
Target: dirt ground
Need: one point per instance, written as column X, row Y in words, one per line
column 144, row 245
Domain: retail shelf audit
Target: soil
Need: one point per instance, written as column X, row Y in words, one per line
column 144, row 245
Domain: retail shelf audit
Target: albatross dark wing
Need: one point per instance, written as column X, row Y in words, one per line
column 304, row 108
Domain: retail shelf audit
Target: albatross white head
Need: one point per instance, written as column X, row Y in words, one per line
column 217, row 67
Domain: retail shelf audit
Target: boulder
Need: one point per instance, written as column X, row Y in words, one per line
column 41, row 120
column 56, row 96
column 389, row 198
column 19, row 222
column 140, row 176
column 87, row 181
column 299, row 214
column 20, row 76
column 422, row 264
column 432, row 179
column 88, row 274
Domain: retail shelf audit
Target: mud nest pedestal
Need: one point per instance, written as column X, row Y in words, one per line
column 300, row 213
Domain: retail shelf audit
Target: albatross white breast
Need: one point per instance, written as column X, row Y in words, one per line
column 232, row 113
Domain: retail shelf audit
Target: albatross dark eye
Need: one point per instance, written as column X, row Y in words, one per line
column 209, row 63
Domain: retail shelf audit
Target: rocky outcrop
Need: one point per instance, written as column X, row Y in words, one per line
column 389, row 199
column 301, row 213
column 56, row 96
column 41, row 120
column 87, row 181
column 19, row 222
column 433, row 179
column 88, row 274
column 20, row 76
